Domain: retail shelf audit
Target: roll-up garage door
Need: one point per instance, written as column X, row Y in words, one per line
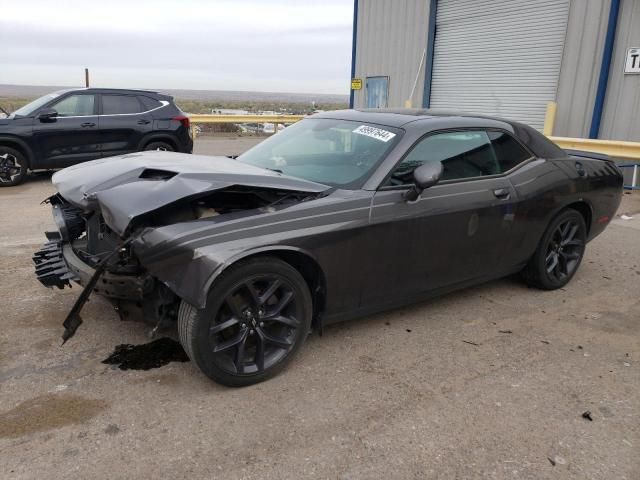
column 498, row 57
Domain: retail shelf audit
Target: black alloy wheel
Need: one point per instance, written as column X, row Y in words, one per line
column 564, row 250
column 13, row 167
column 260, row 314
column 559, row 253
column 256, row 326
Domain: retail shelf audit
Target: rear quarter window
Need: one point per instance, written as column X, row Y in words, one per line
column 119, row 104
column 149, row 103
column 508, row 151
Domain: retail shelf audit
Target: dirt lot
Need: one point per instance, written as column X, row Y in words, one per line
column 490, row 382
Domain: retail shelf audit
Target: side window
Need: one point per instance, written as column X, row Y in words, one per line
column 149, row 103
column 114, row 104
column 74, row 105
column 508, row 151
column 463, row 154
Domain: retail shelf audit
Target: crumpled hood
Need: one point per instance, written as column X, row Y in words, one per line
column 127, row 186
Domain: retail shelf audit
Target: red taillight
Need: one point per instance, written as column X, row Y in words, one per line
column 184, row 120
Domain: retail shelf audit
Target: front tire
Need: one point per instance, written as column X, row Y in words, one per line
column 13, row 167
column 559, row 253
column 257, row 317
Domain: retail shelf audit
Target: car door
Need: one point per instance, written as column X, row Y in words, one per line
column 123, row 122
column 71, row 136
column 457, row 230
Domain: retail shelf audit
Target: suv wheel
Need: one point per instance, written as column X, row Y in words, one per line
column 163, row 146
column 13, row 167
column 258, row 314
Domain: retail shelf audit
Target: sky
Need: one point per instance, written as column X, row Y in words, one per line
column 270, row 46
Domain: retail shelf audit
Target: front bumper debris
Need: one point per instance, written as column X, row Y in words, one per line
column 51, row 268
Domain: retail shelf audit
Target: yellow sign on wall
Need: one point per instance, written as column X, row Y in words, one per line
column 356, row 84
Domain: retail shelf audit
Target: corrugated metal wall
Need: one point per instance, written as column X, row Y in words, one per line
column 391, row 39
column 581, row 67
column 621, row 118
column 392, row 35
column 581, row 61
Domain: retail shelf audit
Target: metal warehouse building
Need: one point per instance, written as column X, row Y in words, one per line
column 504, row 57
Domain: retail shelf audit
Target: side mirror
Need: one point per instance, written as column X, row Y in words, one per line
column 425, row 176
column 48, row 115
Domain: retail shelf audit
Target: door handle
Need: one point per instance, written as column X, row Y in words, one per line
column 502, row 193
column 88, row 124
column 143, row 122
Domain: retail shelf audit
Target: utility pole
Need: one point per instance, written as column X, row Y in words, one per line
column 86, row 77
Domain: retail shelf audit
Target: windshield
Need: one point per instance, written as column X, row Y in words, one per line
column 338, row 153
column 29, row 108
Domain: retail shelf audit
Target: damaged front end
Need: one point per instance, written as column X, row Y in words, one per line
column 96, row 231
column 85, row 250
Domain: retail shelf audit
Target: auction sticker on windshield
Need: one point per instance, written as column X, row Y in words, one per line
column 373, row 132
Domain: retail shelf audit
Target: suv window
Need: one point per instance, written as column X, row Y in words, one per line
column 463, row 155
column 114, row 104
column 149, row 103
column 75, row 105
column 508, row 151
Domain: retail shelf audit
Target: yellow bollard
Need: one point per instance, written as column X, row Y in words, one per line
column 550, row 119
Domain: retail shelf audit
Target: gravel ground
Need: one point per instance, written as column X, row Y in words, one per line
column 489, row 382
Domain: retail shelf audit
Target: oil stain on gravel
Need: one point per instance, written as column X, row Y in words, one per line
column 48, row 412
column 147, row 356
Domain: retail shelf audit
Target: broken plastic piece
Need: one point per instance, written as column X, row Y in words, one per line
column 73, row 320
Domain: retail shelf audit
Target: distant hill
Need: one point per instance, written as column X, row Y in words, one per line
column 29, row 91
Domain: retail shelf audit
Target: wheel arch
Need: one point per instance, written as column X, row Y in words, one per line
column 304, row 262
column 584, row 208
column 19, row 145
column 581, row 205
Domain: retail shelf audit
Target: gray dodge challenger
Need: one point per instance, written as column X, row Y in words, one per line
column 340, row 215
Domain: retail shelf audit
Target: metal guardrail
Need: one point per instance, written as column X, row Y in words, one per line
column 245, row 118
column 613, row 148
column 275, row 119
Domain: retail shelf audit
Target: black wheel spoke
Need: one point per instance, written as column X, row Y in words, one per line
column 259, row 358
column 562, row 265
column 573, row 243
column 217, row 328
column 570, row 235
column 283, row 302
column 253, row 293
column 277, row 341
column 239, row 357
column 292, row 322
column 232, row 342
column 570, row 255
column 270, row 291
column 554, row 263
column 232, row 303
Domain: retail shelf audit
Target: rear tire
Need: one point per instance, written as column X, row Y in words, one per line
column 163, row 146
column 258, row 315
column 559, row 253
column 13, row 167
